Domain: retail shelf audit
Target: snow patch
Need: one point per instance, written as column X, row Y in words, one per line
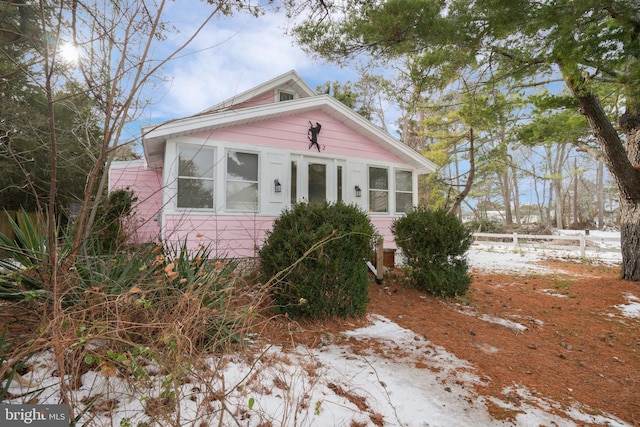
column 631, row 308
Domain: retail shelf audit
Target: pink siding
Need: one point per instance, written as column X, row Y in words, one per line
column 265, row 98
column 226, row 236
column 236, row 236
column 291, row 133
column 383, row 225
column 147, row 185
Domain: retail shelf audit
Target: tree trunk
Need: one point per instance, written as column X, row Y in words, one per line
column 600, row 192
column 472, row 169
column 557, row 187
column 516, row 195
column 630, row 239
column 624, row 165
column 576, row 214
column 505, row 190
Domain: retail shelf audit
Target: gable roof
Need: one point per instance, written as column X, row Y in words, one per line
column 289, row 82
column 154, row 137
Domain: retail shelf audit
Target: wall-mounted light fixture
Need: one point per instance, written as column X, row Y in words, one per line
column 358, row 191
column 277, row 186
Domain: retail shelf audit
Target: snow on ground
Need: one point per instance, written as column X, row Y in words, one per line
column 631, row 308
column 502, row 257
column 329, row 385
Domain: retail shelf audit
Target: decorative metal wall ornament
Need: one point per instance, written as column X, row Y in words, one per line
column 312, row 134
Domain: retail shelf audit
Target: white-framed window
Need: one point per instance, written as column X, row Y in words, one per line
column 242, row 181
column 378, row 189
column 195, row 177
column 285, row 96
column 404, row 190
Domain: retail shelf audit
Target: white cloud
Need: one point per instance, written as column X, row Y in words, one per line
column 231, row 55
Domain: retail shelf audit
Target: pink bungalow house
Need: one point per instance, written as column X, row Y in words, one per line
column 222, row 176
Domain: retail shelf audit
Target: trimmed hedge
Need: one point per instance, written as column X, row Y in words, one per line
column 316, row 255
column 434, row 244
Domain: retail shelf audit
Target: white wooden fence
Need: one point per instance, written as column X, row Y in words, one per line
column 581, row 242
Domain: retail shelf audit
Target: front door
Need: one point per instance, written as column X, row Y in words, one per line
column 316, row 180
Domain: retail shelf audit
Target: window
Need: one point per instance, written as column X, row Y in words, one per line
column 195, row 177
column 378, row 190
column 286, row 96
column 317, row 182
column 339, row 184
column 294, row 182
column 242, row 181
column 404, row 191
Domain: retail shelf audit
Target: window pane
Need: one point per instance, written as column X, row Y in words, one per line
column 195, row 193
column 317, row 182
column 294, row 182
column 195, row 161
column 339, row 181
column 403, row 181
column 378, row 190
column 285, row 96
column 242, row 181
column 378, row 201
column 242, row 166
column 242, row 196
column 378, row 179
column 403, row 202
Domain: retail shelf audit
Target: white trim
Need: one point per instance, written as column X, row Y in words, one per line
column 123, row 164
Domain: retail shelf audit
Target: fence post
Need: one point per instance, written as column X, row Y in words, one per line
column 380, row 260
column 515, row 241
column 583, row 246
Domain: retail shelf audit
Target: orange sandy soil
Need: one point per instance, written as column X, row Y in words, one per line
column 577, row 348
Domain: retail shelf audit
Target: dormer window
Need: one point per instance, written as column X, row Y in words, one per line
column 286, row 96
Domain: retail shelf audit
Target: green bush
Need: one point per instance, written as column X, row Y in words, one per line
column 107, row 229
column 316, row 256
column 22, row 275
column 434, row 244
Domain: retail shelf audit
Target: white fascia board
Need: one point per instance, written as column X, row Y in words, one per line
column 124, row 164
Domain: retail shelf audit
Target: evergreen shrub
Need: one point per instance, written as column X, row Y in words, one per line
column 434, row 244
column 316, row 256
column 107, row 229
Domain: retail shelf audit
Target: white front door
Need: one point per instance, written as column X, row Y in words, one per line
column 316, row 180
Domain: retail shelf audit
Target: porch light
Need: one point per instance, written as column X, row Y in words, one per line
column 358, row 191
column 277, row 186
